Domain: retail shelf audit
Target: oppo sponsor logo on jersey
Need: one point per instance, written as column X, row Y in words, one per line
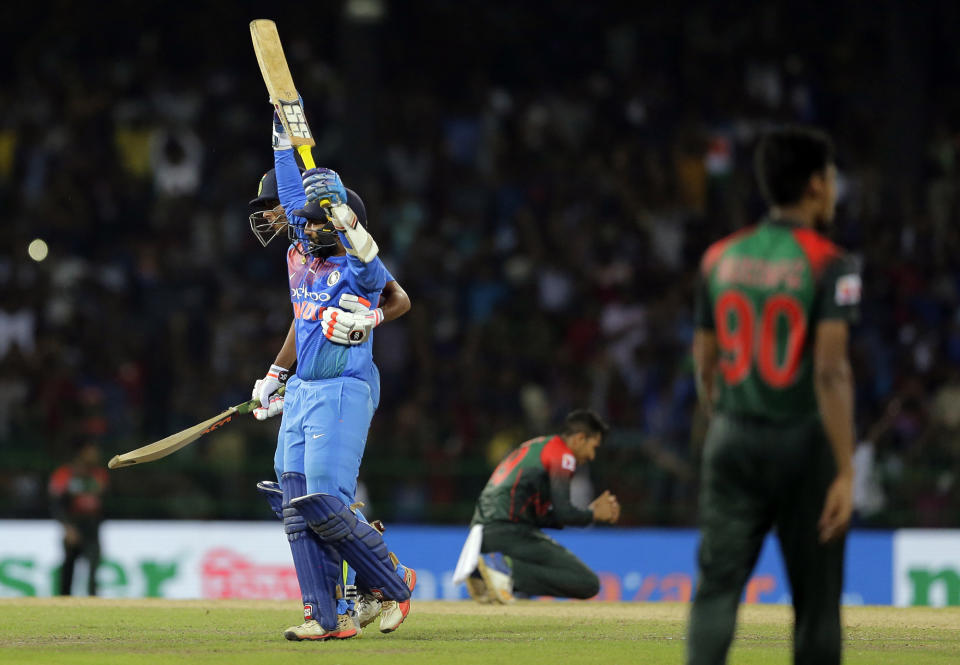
column 315, row 296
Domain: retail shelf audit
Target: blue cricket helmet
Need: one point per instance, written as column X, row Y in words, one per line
column 267, row 192
column 325, row 242
column 265, row 222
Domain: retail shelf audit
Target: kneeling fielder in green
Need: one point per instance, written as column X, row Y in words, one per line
column 528, row 490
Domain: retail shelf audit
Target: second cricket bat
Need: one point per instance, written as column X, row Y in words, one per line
column 174, row 442
column 283, row 94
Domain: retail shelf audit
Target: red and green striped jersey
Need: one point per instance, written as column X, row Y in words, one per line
column 77, row 495
column 763, row 290
column 532, row 486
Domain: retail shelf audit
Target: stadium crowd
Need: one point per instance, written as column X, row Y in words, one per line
column 544, row 202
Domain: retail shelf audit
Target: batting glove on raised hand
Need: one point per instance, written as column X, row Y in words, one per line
column 324, row 186
column 351, row 323
column 265, row 390
column 281, row 141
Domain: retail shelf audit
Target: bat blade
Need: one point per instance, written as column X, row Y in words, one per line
column 174, row 442
column 277, row 77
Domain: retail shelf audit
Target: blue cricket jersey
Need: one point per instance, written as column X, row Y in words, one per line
column 315, row 284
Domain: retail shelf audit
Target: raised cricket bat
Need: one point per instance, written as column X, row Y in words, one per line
column 283, row 94
column 174, row 442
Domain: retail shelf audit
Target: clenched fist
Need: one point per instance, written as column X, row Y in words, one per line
column 350, row 323
column 605, row 508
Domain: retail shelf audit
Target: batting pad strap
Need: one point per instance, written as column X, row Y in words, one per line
column 274, row 496
column 359, row 242
column 359, row 543
column 293, row 485
column 350, row 593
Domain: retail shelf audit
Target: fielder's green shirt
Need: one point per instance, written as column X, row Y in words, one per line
column 532, row 486
column 762, row 291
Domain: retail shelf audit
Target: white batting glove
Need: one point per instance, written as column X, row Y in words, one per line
column 275, row 407
column 351, row 323
column 359, row 241
column 265, row 390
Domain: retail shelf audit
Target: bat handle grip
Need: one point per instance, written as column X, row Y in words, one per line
column 306, row 156
column 247, row 407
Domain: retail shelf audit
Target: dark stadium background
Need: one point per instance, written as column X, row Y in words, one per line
column 541, row 178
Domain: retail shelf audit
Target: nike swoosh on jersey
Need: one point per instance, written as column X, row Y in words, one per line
column 317, row 436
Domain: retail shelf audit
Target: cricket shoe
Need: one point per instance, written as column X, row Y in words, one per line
column 312, row 630
column 497, row 576
column 368, row 609
column 355, row 620
column 392, row 612
column 478, row 589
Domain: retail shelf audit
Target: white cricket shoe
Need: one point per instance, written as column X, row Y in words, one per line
column 312, row 630
column 497, row 577
column 368, row 609
column 392, row 612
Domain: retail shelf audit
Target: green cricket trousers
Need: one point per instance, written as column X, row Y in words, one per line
column 541, row 566
column 758, row 475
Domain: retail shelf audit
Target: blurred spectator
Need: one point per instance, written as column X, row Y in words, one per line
column 543, row 193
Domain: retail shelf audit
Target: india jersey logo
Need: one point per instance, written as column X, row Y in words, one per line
column 333, row 278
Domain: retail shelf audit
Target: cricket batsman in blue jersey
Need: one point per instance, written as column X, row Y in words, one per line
column 335, row 278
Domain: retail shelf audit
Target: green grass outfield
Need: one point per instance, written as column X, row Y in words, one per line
column 95, row 631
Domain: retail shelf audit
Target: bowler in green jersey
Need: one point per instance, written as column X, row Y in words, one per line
column 773, row 311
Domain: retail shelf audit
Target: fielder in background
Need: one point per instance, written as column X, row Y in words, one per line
column 76, row 497
column 335, row 279
column 772, row 315
column 506, row 551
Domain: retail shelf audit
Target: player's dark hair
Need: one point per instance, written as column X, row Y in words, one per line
column 584, row 420
column 786, row 158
